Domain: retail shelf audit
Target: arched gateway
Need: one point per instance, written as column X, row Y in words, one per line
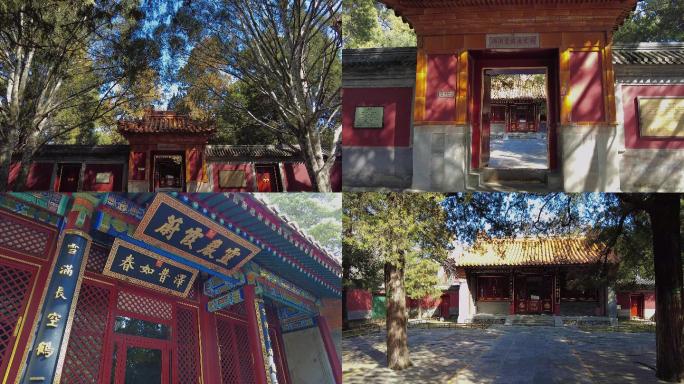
column 445, row 131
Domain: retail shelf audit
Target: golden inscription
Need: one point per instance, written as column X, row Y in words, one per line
column 661, row 116
column 369, row 117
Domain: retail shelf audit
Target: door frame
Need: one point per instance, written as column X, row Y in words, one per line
column 639, row 297
column 153, row 167
column 524, row 58
column 123, row 342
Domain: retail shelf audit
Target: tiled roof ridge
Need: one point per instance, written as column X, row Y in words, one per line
column 154, row 121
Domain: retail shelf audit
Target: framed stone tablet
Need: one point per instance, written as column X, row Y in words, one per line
column 661, row 116
column 103, row 177
column 232, row 179
column 369, row 117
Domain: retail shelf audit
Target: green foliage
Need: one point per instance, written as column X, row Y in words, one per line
column 392, row 228
column 318, row 214
column 653, row 20
column 368, row 23
column 421, row 277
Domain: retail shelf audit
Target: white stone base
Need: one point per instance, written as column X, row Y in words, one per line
column 652, row 170
column 439, row 158
column 589, row 158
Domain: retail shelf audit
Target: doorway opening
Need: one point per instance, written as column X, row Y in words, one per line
column 515, row 100
column 268, row 178
column 636, row 304
column 533, row 294
column 168, row 173
column 515, row 114
column 68, row 176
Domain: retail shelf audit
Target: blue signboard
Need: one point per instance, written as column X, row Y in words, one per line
column 176, row 228
column 48, row 352
column 143, row 267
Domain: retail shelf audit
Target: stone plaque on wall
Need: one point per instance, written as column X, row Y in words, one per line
column 512, row 40
column 369, row 117
column 232, row 179
column 661, row 116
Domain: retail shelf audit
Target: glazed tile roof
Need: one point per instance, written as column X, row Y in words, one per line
column 236, row 152
column 165, row 122
column 379, row 56
column 649, row 54
column 531, row 252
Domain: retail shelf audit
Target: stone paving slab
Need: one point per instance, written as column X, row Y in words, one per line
column 518, row 153
column 506, row 354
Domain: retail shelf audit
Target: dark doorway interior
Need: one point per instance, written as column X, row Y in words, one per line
column 168, row 172
column 68, row 176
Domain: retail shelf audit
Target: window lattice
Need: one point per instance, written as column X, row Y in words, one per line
column 144, row 305
column 97, row 259
column 84, row 354
column 188, row 347
column 14, row 286
column 21, row 238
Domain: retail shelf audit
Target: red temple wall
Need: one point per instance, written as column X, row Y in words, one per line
column 441, row 77
column 38, row 178
column 630, row 93
column 586, row 87
column 115, row 181
column 249, row 177
column 396, row 131
column 649, row 300
column 359, row 300
column 296, row 177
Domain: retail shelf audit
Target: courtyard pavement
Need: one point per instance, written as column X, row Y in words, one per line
column 506, row 354
column 518, row 153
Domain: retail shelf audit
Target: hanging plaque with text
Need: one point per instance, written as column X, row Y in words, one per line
column 512, row 40
column 143, row 267
column 174, row 227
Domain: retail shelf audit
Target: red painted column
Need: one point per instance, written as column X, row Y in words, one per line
column 254, row 338
column 556, row 295
column 209, row 341
column 330, row 349
column 511, row 305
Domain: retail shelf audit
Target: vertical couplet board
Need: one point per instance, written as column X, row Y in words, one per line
column 47, row 355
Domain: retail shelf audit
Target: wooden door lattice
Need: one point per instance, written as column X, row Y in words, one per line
column 15, row 284
column 188, row 347
column 234, row 353
column 86, row 343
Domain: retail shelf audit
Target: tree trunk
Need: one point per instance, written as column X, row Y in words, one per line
column 397, row 343
column 665, row 220
column 320, row 180
column 5, row 164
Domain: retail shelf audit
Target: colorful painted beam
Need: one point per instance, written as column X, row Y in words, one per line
column 231, row 298
column 216, row 285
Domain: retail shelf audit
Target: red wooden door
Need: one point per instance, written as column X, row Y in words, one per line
column 67, row 177
column 264, row 181
column 486, row 117
column 444, row 307
column 636, row 306
column 139, row 360
column 16, row 284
